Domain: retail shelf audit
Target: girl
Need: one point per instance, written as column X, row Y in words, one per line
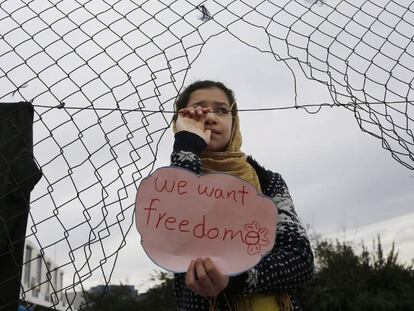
column 208, row 139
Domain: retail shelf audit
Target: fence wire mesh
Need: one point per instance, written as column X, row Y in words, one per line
column 103, row 75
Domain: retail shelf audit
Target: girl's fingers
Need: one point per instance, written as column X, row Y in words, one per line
column 204, row 279
column 190, row 278
column 203, row 110
column 183, row 112
column 219, row 280
column 199, row 111
column 190, row 111
column 207, row 109
column 195, row 112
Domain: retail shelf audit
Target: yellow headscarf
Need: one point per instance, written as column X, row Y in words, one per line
column 231, row 161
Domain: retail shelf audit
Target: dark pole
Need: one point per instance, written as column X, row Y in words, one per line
column 18, row 176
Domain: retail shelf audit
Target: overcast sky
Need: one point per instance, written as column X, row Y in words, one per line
column 344, row 184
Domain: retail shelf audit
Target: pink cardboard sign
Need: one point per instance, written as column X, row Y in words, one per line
column 182, row 216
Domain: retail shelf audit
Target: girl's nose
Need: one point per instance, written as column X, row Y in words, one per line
column 211, row 118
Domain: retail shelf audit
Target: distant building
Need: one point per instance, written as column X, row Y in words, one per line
column 42, row 283
column 42, row 279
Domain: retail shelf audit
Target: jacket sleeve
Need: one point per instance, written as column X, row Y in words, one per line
column 290, row 263
column 187, row 150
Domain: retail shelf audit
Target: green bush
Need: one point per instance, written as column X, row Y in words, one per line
column 346, row 281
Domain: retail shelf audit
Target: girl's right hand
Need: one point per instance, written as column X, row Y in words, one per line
column 194, row 120
column 204, row 278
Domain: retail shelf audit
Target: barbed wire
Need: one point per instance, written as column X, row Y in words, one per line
column 318, row 106
column 89, row 68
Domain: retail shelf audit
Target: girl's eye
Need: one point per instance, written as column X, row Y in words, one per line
column 222, row 111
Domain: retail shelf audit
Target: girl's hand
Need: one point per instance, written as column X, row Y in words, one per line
column 204, row 279
column 193, row 120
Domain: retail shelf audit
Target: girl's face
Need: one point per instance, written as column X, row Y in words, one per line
column 220, row 120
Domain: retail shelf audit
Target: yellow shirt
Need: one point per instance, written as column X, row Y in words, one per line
column 260, row 302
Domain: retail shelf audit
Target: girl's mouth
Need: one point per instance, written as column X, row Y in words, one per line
column 214, row 132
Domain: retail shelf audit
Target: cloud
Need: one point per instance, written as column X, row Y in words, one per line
column 399, row 230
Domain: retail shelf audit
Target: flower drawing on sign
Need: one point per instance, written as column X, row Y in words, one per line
column 255, row 237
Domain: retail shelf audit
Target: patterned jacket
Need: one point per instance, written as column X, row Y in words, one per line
column 287, row 266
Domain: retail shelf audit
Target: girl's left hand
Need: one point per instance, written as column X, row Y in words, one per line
column 204, row 279
column 193, row 119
